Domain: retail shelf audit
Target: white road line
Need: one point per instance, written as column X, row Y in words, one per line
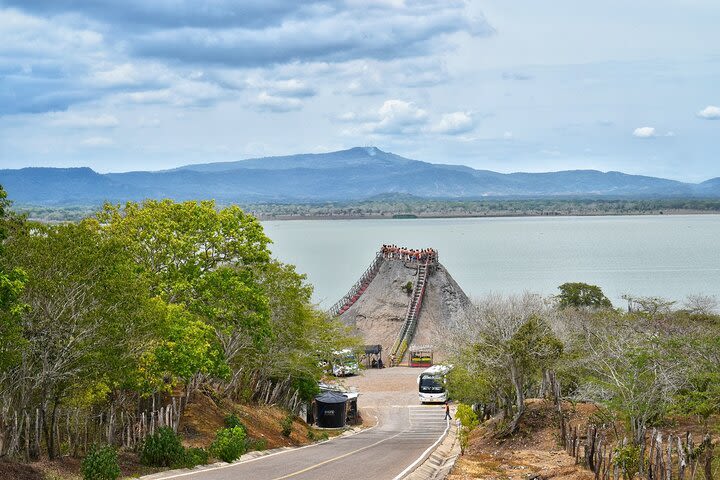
column 422, row 457
column 312, row 467
column 235, row 464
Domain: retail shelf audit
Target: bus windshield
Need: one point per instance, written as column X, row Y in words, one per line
column 431, row 383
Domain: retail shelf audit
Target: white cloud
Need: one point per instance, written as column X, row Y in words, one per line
column 94, row 142
column 293, row 88
column 508, row 136
column 397, row 117
column 181, row 93
column 288, row 87
column 74, row 120
column 118, row 75
column 711, row 112
column 454, row 123
column 265, row 102
column 644, row 132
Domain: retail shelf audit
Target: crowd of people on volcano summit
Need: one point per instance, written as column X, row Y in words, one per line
column 393, row 252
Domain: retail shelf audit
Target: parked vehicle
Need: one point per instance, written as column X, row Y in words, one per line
column 345, row 363
column 432, row 384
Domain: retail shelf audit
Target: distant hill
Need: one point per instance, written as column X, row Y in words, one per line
column 355, row 174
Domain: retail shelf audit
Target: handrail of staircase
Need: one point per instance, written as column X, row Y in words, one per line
column 370, row 271
column 411, row 315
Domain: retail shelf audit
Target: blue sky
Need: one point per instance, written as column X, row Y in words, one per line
column 505, row 85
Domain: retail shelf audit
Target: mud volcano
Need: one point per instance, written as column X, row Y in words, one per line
column 400, row 301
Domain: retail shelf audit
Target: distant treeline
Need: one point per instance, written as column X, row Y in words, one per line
column 392, row 207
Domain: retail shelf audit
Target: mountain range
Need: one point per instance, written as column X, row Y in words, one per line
column 348, row 175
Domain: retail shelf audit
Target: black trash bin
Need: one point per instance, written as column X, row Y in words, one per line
column 331, row 410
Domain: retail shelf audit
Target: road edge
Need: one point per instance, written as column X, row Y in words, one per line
column 246, row 458
column 436, row 464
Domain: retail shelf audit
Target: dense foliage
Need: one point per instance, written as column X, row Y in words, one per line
column 579, row 294
column 106, row 317
column 162, row 449
column 100, row 464
column 229, row 444
column 642, row 365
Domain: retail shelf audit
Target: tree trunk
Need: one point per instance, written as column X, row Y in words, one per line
column 709, row 457
column 50, row 433
column 519, row 403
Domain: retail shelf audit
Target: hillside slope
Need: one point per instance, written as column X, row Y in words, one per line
column 347, row 175
column 379, row 313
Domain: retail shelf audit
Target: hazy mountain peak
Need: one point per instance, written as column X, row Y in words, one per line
column 346, row 175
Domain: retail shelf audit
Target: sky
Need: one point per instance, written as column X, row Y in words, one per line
column 504, row 85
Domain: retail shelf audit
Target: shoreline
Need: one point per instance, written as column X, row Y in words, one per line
column 659, row 213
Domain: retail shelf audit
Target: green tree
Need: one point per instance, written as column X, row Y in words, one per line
column 632, row 366
column 87, row 319
column 509, row 343
column 578, row 294
column 206, row 259
column 302, row 335
column 468, row 422
column 187, row 347
column 12, row 283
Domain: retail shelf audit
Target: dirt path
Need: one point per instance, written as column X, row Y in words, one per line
column 386, row 387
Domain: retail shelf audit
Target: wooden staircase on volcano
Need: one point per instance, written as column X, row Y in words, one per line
column 407, row 332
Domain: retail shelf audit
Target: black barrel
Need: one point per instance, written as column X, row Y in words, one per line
column 331, row 408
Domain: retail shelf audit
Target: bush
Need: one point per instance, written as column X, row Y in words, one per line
column 257, row 444
column 232, row 421
column 163, row 449
column 194, row 457
column 286, row 424
column 468, row 421
column 229, row 444
column 627, row 458
column 100, row 464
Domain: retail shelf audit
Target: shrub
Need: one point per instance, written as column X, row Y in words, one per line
column 162, row 449
column 100, row 464
column 233, row 420
column 286, row 425
column 229, row 444
column 627, row 458
column 257, row 444
column 194, row 457
column 468, row 421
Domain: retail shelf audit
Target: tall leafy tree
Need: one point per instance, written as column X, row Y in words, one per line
column 579, row 294
column 302, row 335
column 204, row 258
column 86, row 319
column 12, row 282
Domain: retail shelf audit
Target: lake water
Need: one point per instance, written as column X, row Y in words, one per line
column 665, row 256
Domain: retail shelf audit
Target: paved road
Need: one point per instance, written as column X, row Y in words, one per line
column 405, row 430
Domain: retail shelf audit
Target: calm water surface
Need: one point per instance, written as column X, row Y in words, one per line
column 666, row 256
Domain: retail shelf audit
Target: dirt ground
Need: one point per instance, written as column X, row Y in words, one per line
column 385, row 387
column 203, row 418
column 68, row 468
column 534, row 450
column 19, row 471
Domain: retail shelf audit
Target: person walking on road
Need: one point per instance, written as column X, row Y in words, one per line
column 447, row 410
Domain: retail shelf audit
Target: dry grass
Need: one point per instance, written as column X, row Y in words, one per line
column 534, row 450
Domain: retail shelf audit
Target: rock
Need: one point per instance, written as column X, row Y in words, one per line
column 378, row 315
